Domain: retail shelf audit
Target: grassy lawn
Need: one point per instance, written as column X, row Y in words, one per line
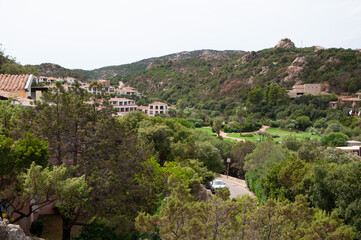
column 209, row 131
column 276, row 132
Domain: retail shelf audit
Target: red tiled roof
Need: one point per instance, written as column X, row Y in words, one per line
column 12, row 83
column 120, row 99
column 158, row 103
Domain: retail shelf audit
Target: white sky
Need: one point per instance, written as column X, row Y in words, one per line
column 91, row 34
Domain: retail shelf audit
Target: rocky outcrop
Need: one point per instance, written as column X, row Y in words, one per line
column 248, row 57
column 318, row 48
column 285, row 43
column 12, row 232
column 295, row 69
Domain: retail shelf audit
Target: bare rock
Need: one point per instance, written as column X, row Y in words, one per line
column 318, row 48
column 248, row 57
column 333, row 60
column 264, row 70
column 295, row 69
column 285, row 43
column 11, row 231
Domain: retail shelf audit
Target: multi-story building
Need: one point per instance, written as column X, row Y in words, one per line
column 157, row 108
column 123, row 105
column 127, row 91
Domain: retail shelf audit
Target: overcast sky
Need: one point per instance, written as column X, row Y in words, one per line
column 90, row 34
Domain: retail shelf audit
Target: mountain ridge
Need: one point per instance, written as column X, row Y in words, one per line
column 132, row 68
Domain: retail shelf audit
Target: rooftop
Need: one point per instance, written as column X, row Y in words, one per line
column 120, row 99
column 13, row 83
column 158, row 103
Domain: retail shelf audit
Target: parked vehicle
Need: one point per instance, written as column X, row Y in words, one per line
column 215, row 184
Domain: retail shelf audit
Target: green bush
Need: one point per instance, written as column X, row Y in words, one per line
column 37, row 228
column 321, row 123
column 226, row 129
column 197, row 125
column 335, row 139
column 253, row 184
column 97, row 231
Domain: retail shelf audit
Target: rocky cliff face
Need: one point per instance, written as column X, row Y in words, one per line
column 295, row 69
column 12, row 232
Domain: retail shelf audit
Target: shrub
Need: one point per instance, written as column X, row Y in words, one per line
column 197, row 125
column 275, row 124
column 336, row 139
column 226, row 129
column 37, row 228
column 292, row 143
column 97, row 231
column 303, row 122
column 321, row 123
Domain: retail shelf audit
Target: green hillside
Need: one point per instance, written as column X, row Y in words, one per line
column 136, row 67
column 54, row 70
column 222, row 81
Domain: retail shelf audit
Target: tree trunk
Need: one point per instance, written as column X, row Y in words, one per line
column 66, row 228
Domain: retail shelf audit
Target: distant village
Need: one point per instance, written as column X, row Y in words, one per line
column 23, row 89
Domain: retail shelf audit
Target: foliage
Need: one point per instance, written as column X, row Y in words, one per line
column 8, row 117
column 265, row 154
column 238, row 154
column 183, row 218
column 37, row 228
column 335, row 139
column 97, row 231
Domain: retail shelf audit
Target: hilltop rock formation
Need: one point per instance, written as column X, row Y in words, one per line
column 295, row 69
column 318, row 48
column 285, row 43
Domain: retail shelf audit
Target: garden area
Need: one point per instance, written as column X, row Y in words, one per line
column 276, row 133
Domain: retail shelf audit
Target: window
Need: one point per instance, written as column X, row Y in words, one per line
column 151, row 107
column 151, row 112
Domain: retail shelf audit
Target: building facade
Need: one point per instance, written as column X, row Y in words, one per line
column 157, row 108
column 123, row 105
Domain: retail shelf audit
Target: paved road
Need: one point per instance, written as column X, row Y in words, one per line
column 236, row 187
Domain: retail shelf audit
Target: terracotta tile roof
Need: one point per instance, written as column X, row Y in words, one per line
column 143, row 107
column 12, row 83
column 158, row 103
column 120, row 99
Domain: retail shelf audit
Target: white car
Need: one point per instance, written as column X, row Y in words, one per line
column 217, row 184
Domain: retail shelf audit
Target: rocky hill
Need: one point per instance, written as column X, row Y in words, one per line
column 218, row 81
column 54, row 70
column 49, row 69
column 133, row 68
